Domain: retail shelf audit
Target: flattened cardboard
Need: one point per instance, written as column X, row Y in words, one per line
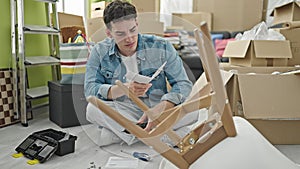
column 258, row 52
column 286, row 13
column 229, row 15
column 190, row 21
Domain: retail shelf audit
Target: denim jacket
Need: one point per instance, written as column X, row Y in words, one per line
column 104, row 67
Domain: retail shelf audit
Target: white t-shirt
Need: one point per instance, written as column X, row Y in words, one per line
column 130, row 63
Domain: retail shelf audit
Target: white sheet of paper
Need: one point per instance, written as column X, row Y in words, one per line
column 121, row 163
column 144, row 79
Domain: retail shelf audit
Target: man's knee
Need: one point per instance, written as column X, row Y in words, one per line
column 90, row 111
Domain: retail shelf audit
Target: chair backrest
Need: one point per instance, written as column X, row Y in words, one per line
column 212, row 68
column 207, row 55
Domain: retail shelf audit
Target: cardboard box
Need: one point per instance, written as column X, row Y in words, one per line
column 65, row 20
column 190, row 21
column 147, row 6
column 69, row 24
column 232, row 15
column 258, row 52
column 265, row 10
column 266, row 96
column 286, row 13
column 279, row 131
column 150, row 23
column 97, row 13
column 98, row 5
column 97, row 9
column 269, row 102
column 95, row 29
column 293, row 36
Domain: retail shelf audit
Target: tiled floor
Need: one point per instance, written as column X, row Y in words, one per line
column 86, row 151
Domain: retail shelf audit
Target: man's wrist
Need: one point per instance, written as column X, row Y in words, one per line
column 169, row 104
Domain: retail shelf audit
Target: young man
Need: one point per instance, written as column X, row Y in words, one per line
column 126, row 51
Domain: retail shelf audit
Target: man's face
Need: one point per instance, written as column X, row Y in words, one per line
column 125, row 34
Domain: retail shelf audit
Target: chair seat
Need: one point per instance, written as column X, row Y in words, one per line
column 248, row 150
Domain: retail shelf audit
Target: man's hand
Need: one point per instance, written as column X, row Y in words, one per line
column 139, row 89
column 155, row 112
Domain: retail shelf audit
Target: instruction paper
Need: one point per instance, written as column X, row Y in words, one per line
column 121, row 163
column 144, row 79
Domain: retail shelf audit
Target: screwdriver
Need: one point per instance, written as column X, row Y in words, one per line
column 141, row 156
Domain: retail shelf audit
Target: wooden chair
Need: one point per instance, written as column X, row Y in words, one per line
column 213, row 96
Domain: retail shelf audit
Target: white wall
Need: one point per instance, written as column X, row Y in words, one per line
column 75, row 7
column 167, row 7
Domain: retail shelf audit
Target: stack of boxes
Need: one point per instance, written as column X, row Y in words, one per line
column 265, row 86
column 148, row 17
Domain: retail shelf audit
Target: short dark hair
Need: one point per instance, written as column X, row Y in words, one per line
column 118, row 10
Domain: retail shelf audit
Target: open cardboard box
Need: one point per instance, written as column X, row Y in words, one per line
column 69, row 24
column 269, row 102
column 258, row 52
column 286, row 13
